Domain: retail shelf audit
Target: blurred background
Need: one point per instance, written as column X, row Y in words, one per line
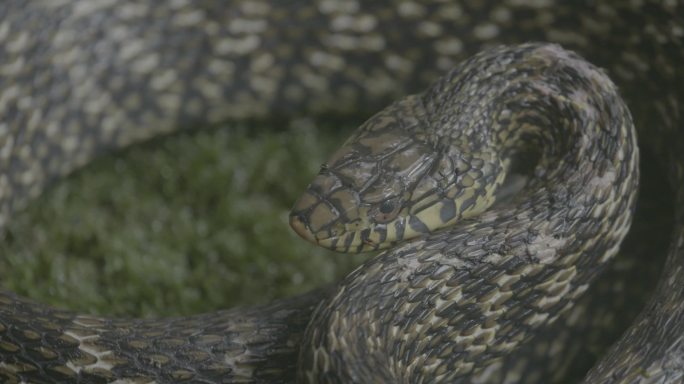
column 192, row 222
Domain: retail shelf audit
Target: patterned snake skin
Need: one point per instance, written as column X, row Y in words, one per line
column 463, row 297
column 81, row 77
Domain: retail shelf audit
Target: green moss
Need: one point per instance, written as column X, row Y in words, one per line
column 185, row 224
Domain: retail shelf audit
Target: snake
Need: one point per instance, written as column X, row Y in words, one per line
column 478, row 275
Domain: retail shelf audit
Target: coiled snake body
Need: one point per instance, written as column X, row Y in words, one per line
column 451, row 304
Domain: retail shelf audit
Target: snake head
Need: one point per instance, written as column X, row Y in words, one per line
column 391, row 181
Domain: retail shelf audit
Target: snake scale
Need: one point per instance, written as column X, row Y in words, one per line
column 469, row 302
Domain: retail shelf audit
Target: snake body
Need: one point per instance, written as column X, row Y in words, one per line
column 458, row 284
column 78, row 78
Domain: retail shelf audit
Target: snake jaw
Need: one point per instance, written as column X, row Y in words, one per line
column 344, row 241
column 334, row 235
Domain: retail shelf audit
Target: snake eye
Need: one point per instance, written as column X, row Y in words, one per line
column 386, row 211
column 386, row 207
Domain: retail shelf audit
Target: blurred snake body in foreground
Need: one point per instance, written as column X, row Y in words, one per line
column 467, row 293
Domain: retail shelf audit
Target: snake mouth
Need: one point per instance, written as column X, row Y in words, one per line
column 346, row 242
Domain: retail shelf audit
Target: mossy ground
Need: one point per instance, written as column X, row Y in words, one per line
column 188, row 223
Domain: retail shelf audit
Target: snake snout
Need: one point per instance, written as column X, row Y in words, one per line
column 298, row 222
